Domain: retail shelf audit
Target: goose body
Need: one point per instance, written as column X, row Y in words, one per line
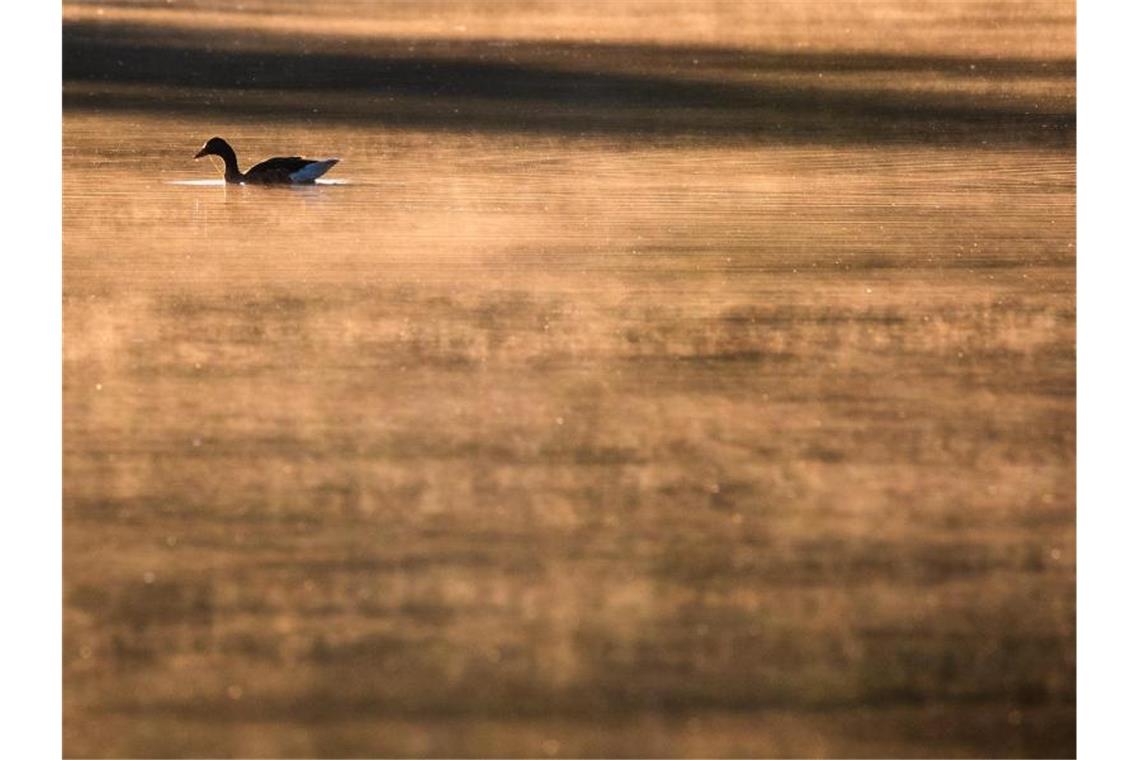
column 292, row 170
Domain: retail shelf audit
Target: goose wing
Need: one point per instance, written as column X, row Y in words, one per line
column 277, row 169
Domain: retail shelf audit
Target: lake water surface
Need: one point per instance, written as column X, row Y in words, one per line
column 592, row 441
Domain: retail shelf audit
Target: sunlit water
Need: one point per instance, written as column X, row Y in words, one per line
column 517, row 443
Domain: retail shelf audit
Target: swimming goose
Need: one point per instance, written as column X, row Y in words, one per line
column 293, row 170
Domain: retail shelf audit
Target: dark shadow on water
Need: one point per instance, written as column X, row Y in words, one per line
column 565, row 88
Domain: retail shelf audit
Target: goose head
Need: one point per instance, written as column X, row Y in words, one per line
column 215, row 146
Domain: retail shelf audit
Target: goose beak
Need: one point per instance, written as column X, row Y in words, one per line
column 200, row 153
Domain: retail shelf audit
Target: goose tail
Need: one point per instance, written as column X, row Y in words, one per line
column 311, row 171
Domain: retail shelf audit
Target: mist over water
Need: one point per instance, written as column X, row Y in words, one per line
column 572, row 413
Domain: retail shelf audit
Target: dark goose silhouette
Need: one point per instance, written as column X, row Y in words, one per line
column 292, row 170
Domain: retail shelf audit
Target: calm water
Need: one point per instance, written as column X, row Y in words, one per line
column 522, row 442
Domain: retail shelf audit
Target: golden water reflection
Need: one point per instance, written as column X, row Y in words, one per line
column 530, row 443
